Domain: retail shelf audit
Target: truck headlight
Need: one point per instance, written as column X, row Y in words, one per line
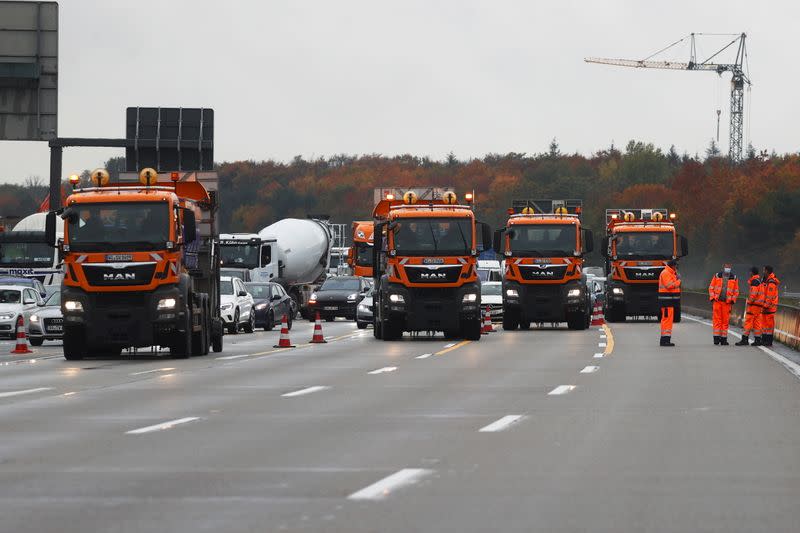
column 469, row 298
column 573, row 293
column 166, row 303
column 73, row 305
column 34, row 318
column 617, row 290
column 397, row 298
column 513, row 293
column 352, row 297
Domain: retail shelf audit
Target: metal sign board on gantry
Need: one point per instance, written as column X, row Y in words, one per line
column 28, row 71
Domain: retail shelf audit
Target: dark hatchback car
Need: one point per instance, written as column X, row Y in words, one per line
column 271, row 303
column 338, row 296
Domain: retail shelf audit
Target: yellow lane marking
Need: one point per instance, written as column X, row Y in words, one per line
column 609, row 340
column 450, row 349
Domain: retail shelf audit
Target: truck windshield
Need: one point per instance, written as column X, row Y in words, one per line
column 118, row 226
column 645, row 245
column 433, row 236
column 243, row 255
column 31, row 254
column 536, row 240
column 363, row 254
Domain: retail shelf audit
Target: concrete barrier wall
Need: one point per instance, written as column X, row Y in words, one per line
column 787, row 318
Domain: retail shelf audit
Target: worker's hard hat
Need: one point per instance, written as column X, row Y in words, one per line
column 148, row 176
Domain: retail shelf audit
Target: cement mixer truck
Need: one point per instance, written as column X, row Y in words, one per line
column 24, row 251
column 293, row 252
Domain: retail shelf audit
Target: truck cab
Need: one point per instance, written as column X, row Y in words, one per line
column 637, row 246
column 251, row 253
column 543, row 244
column 360, row 254
column 24, row 251
column 425, row 257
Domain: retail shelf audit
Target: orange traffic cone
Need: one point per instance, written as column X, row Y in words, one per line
column 487, row 322
column 597, row 315
column 318, row 338
column 284, row 341
column 22, row 339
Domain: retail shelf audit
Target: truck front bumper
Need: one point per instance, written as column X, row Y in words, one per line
column 636, row 300
column 544, row 302
column 124, row 318
column 432, row 309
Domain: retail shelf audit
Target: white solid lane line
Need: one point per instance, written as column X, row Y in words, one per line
column 501, row 424
column 164, row 425
column 151, row 371
column 423, row 356
column 307, row 390
column 561, row 389
column 598, row 355
column 383, row 370
column 590, row 369
column 21, row 392
column 383, row 488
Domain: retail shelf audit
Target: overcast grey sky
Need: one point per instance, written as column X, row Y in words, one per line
column 425, row 77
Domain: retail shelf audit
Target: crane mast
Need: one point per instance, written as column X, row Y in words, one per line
column 738, row 78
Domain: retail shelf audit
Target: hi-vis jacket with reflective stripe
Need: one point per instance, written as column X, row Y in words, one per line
column 771, row 285
column 731, row 291
column 669, row 287
column 756, row 294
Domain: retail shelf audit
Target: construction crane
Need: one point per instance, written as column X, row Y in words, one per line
column 739, row 78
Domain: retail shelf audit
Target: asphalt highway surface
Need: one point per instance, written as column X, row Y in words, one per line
column 543, row 430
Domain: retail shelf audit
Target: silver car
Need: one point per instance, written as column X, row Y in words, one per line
column 364, row 311
column 47, row 323
column 17, row 301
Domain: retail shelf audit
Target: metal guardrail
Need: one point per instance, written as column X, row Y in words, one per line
column 787, row 318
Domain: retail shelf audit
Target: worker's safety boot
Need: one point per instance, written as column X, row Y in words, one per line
column 665, row 341
column 723, row 341
column 745, row 341
column 717, row 340
column 757, row 341
column 767, row 340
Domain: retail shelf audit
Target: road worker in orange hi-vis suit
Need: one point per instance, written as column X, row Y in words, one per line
column 723, row 292
column 771, row 285
column 753, row 310
column 669, row 295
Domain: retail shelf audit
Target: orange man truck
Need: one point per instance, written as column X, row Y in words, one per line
column 637, row 246
column 543, row 245
column 425, row 256
column 359, row 257
column 141, row 264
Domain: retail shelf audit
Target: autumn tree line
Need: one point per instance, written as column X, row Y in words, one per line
column 748, row 213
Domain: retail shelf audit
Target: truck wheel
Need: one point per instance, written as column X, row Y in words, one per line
column 251, row 323
column 74, row 344
column 199, row 339
column 270, row 324
column 450, row 334
column 391, row 330
column 377, row 329
column 216, row 342
column 575, row 320
column 510, row 321
column 181, row 347
column 471, row 330
column 361, row 325
column 524, row 324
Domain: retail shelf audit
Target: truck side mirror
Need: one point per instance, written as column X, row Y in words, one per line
column 684, row 246
column 604, row 246
column 189, row 226
column 588, row 241
column 486, row 236
column 377, row 249
column 497, row 242
column 50, row 229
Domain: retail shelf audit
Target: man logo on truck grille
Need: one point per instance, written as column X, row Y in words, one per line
column 128, row 276
column 433, row 276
